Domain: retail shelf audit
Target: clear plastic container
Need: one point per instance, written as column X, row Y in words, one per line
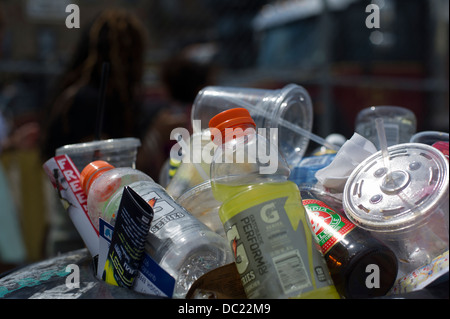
column 181, row 244
column 399, row 124
column 101, row 181
column 429, row 137
column 403, row 202
column 285, row 109
column 194, row 167
column 201, row 203
column 120, row 152
column 264, row 220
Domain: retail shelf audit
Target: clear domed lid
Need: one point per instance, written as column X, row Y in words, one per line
column 387, row 199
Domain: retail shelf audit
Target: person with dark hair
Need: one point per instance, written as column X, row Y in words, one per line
column 117, row 38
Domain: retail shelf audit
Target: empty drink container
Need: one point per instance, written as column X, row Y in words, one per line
column 403, row 201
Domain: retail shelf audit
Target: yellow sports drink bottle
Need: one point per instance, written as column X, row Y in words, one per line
column 263, row 216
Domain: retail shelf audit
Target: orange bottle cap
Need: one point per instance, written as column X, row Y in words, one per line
column 232, row 118
column 91, row 172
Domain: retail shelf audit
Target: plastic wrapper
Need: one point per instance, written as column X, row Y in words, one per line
column 353, row 152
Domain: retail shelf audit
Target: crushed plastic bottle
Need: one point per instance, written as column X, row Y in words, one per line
column 181, row 244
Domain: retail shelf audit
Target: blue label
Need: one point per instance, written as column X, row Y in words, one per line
column 157, row 276
column 151, row 278
column 105, row 230
column 305, row 172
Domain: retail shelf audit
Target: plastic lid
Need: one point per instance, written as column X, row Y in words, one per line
column 415, row 188
column 91, row 172
column 232, row 118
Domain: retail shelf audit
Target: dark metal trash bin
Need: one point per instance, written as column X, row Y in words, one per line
column 57, row 278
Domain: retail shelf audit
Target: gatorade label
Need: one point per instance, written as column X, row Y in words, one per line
column 328, row 227
column 170, row 221
column 273, row 259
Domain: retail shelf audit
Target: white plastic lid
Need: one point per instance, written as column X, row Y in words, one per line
column 416, row 187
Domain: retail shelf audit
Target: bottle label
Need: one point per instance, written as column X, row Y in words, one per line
column 126, row 250
column 169, row 222
column 327, row 226
column 151, row 278
column 273, row 259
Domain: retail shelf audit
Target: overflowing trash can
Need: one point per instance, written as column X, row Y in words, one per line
column 248, row 212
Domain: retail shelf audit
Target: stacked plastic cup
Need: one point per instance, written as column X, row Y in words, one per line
column 286, row 114
column 120, row 152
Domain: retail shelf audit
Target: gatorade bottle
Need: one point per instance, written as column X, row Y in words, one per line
column 181, row 244
column 360, row 265
column 262, row 213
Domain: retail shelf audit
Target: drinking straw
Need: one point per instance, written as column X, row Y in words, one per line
column 390, row 179
column 101, row 101
column 379, row 123
column 293, row 127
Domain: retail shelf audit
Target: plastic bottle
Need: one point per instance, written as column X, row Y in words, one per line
column 289, row 109
column 400, row 124
column 177, row 241
column 113, row 181
column 262, row 213
column 360, row 265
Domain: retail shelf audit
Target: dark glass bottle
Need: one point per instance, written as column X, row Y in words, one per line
column 360, row 265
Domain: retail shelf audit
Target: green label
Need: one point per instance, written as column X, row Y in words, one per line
column 327, row 226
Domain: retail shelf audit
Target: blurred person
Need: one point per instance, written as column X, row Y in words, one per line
column 118, row 38
column 182, row 77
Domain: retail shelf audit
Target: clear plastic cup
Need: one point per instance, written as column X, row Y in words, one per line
column 201, row 203
column 119, row 152
column 399, row 124
column 429, row 137
column 403, row 202
column 288, row 109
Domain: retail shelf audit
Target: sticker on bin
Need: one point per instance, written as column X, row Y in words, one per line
column 151, row 279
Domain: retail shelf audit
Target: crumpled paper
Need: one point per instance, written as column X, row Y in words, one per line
column 350, row 155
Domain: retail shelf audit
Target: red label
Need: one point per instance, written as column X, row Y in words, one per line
column 327, row 226
column 72, row 176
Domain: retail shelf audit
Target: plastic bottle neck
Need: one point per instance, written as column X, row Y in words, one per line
column 93, row 171
column 231, row 124
column 232, row 133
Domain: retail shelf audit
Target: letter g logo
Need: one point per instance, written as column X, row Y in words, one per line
column 269, row 214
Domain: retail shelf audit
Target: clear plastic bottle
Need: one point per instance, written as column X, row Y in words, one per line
column 181, row 244
column 114, row 179
column 263, row 216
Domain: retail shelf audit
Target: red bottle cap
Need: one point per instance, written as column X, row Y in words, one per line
column 91, row 172
column 232, row 118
